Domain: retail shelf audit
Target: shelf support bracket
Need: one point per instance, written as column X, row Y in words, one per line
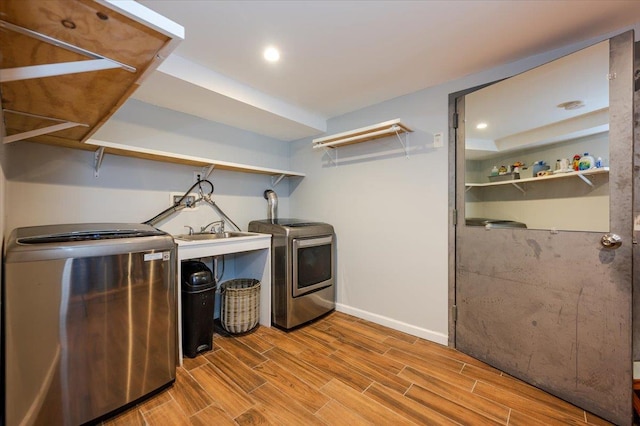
column 275, row 180
column 331, row 159
column 97, row 161
column 518, row 187
column 62, row 125
column 99, row 62
column 586, row 180
column 206, row 171
column 404, row 144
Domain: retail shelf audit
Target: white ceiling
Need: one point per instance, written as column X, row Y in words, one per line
column 340, row 56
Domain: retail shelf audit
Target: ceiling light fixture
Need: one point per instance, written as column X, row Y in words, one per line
column 481, row 126
column 570, row 105
column 271, row 54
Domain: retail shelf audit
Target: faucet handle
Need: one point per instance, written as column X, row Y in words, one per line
column 190, row 229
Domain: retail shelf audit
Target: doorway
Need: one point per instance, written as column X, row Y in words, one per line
column 549, row 302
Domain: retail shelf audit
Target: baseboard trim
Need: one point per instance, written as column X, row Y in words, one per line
column 424, row 333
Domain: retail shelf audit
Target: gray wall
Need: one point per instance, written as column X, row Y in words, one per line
column 49, row 184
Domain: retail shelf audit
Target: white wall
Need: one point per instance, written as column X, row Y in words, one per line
column 390, row 213
column 47, row 184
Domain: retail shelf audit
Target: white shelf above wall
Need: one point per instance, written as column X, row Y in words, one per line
column 363, row 134
column 207, row 164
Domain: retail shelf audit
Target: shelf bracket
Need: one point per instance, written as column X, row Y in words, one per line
column 97, row 161
column 99, row 62
column 404, row 144
column 206, row 171
column 586, row 180
column 468, row 188
column 62, row 125
column 275, row 180
column 518, row 187
column 331, row 159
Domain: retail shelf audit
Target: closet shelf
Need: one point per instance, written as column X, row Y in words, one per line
column 581, row 174
column 363, row 134
column 207, row 164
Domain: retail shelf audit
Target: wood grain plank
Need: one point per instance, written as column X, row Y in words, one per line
column 516, row 418
column 443, row 360
column 360, row 328
column 333, row 367
column 425, row 364
column 416, row 411
column 319, row 334
column 166, row 415
column 225, row 392
column 595, row 420
column 424, row 376
column 189, row 395
column 362, row 405
column 256, row 343
column 352, row 338
column 372, row 370
column 280, row 339
column 285, row 411
column 191, row 363
column 239, row 373
column 159, row 399
column 291, row 386
column 528, row 406
column 131, row 417
column 383, row 361
column 524, row 389
column 253, row 417
column 312, row 343
column 335, row 413
column 212, row 415
column 305, row 368
column 426, row 347
column 448, row 408
column 389, row 332
column 454, row 393
column 238, row 349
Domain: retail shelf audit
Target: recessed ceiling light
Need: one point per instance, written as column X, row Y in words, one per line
column 571, row 105
column 481, row 126
column 271, row 54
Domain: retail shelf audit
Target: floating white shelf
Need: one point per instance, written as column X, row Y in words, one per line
column 207, row 164
column 515, row 182
column 363, row 134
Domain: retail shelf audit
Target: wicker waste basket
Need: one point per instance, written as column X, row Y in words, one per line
column 240, row 310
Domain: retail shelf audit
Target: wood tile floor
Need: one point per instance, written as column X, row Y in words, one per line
column 342, row 370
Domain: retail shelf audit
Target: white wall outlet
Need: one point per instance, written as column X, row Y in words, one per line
column 438, row 140
column 189, row 200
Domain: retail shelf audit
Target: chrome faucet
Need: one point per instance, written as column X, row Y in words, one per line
column 190, row 229
column 203, row 229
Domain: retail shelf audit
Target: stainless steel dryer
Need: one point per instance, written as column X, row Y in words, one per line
column 302, row 269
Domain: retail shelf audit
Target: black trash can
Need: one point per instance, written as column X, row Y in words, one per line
column 198, row 304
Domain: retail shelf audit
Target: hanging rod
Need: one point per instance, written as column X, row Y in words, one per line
column 362, row 134
column 36, row 71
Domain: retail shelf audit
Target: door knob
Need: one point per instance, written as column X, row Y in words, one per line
column 611, row 241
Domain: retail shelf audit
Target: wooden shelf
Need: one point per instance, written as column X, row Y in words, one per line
column 62, row 79
column 515, row 182
column 104, row 147
column 363, row 134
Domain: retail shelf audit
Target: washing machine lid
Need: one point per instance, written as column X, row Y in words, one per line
column 82, row 232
